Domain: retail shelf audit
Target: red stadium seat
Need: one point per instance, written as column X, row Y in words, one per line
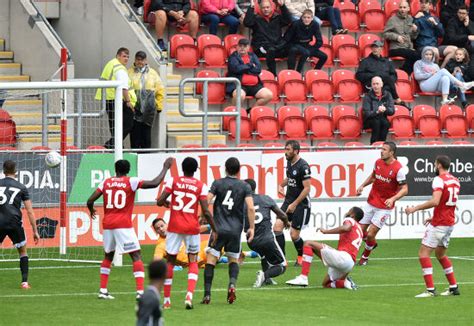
column 191, row 146
column 260, row 111
column 184, row 51
column 264, row 123
column 231, row 41
column 405, row 90
column 346, row 51
column 470, row 118
column 218, row 146
column 315, row 111
column 215, row 91
column 462, row 142
column 40, row 148
column 391, row 7
column 7, row 148
column 304, row 147
column 246, row 145
column 346, row 121
column 399, row 111
column 5, row 116
column 319, row 122
column 371, row 15
column 350, row 144
column 71, row 147
column 416, row 88
column 403, row 127
column 453, row 121
column 319, row 86
column 408, row 143
column 226, row 119
column 421, row 110
column 292, row 86
column 287, row 111
column 349, row 16
column 321, row 147
column 426, row 121
column 377, row 144
column 96, row 147
column 8, row 135
column 245, row 128
column 327, row 49
column 435, row 143
column 212, row 51
column 346, row 86
column 273, row 145
column 268, row 81
column 365, row 43
column 292, row 123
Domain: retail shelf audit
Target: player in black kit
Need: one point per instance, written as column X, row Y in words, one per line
column 12, row 193
column 297, row 204
column 264, row 242
column 231, row 194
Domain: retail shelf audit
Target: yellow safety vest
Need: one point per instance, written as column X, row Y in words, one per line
column 109, row 73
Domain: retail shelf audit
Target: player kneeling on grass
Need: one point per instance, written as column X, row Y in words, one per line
column 187, row 193
column 445, row 195
column 11, row 225
column 149, row 311
column 264, row 242
column 339, row 262
column 119, row 235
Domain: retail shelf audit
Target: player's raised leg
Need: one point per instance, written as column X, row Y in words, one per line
column 309, row 249
column 370, row 244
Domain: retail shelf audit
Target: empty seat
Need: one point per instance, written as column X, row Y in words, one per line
column 421, row 110
column 348, row 89
column 371, row 15
column 453, row 121
column 215, row 91
column 346, row 121
column 319, row 86
column 391, row 7
column 321, row 147
column 226, row 119
column 350, row 144
column 349, row 16
column 268, row 81
column 403, row 127
column 470, row 117
column 315, row 111
column 319, row 122
column 404, row 86
column 281, row 148
column 292, row 86
column 212, row 51
column 346, row 51
column 184, row 51
column 245, row 128
column 260, row 111
column 292, row 123
column 264, row 123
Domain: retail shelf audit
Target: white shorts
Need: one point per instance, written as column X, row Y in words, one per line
column 174, row 241
column 339, row 263
column 122, row 241
column 375, row 216
column 437, row 236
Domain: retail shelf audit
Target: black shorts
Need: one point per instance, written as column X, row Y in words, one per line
column 16, row 235
column 230, row 242
column 252, row 90
column 270, row 250
column 300, row 217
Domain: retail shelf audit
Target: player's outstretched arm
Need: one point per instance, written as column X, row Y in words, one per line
column 346, row 227
column 31, row 218
column 90, row 202
column 162, row 199
column 281, row 215
column 433, row 202
column 159, row 178
column 370, row 179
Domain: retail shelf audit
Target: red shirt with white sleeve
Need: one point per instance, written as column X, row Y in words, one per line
column 350, row 241
column 443, row 214
column 388, row 177
column 119, row 199
column 185, row 195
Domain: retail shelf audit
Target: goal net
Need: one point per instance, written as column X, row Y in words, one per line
column 68, row 117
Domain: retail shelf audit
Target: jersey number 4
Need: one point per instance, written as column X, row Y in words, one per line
column 3, row 195
column 186, row 208
column 356, row 243
column 228, row 200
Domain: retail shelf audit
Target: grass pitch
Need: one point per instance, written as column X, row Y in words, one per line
column 66, row 294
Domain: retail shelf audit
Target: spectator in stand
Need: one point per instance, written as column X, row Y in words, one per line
column 448, row 10
column 458, row 67
column 267, row 39
column 325, row 10
column 297, row 7
column 429, row 30
column 433, row 79
column 304, row 39
column 400, row 31
column 150, row 92
column 470, row 70
column 376, row 106
column 138, row 7
column 460, row 31
column 241, row 8
column 377, row 65
column 471, row 10
column 246, row 67
column 177, row 11
column 214, row 12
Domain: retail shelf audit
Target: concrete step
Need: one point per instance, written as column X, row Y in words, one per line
column 30, row 105
column 176, row 117
column 6, row 56
column 191, row 104
column 174, row 90
column 179, row 140
column 29, row 142
column 173, row 80
column 26, row 118
column 14, row 79
column 36, row 128
column 2, row 44
column 192, row 127
column 9, row 69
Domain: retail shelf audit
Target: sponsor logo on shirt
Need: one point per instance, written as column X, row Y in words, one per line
column 379, row 177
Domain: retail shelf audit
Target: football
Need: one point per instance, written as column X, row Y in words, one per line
column 52, row 159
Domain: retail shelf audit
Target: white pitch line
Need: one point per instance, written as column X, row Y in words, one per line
column 250, row 262
column 215, row 290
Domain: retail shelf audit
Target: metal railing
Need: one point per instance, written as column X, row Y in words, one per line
column 205, row 114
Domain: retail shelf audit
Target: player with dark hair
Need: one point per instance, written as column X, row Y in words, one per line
column 119, row 197
column 446, row 189
column 389, row 184
column 187, row 194
column 11, row 219
column 297, row 204
column 264, row 243
column 340, row 261
column 231, row 194
column 149, row 311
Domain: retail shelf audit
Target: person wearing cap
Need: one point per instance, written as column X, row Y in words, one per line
column 214, row 12
column 377, row 65
column 150, row 92
column 400, row 31
column 246, row 67
column 267, row 39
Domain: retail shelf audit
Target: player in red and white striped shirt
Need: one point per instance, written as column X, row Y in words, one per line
column 445, row 194
column 119, row 235
column 340, row 261
column 187, row 193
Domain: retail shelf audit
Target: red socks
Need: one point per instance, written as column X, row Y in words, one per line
column 448, row 270
column 193, row 271
column 104, row 273
column 139, row 273
column 168, row 282
column 307, row 259
column 369, row 246
column 427, row 268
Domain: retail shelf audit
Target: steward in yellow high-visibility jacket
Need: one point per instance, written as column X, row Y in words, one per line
column 149, row 88
column 116, row 69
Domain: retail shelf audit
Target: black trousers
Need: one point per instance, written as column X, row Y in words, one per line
column 270, row 56
column 305, row 52
column 140, row 137
column 379, row 126
column 127, row 124
column 411, row 56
